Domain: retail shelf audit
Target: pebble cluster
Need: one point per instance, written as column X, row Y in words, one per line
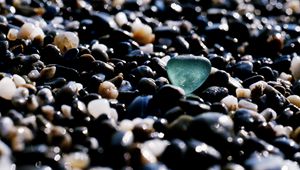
column 87, row 84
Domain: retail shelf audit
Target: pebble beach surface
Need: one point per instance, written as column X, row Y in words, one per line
column 149, row 84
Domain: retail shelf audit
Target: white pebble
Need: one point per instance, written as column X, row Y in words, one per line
column 121, row 18
column 137, row 121
column 77, row 160
column 12, row 34
column 126, row 125
column 282, row 131
column 6, row 124
column 260, row 84
column 48, row 111
column 231, row 102
column 294, row 68
column 7, row 88
column 34, row 74
column 149, row 122
column 79, row 87
column 148, row 156
column 18, row 80
column 243, row 93
column 285, row 76
column 269, row 114
column 108, row 90
column 247, row 105
column 98, row 107
column 30, row 31
column 294, row 99
column 100, row 47
column 156, row 146
column 5, row 160
column 142, row 33
column 66, row 110
column 37, row 33
column 25, row 31
column 148, row 48
column 66, row 40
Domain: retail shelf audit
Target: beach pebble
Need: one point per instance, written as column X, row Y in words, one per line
column 66, row 40
column 231, row 102
column 108, row 90
column 7, row 88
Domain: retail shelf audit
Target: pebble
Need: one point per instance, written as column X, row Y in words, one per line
column 76, row 160
column 294, row 99
column 243, row 93
column 231, row 102
column 108, row 90
column 101, row 106
column 66, row 40
column 30, row 31
column 7, row 88
column 293, row 68
column 12, row 34
column 142, row 33
column 247, row 105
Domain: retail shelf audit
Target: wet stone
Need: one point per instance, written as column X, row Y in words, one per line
column 210, row 134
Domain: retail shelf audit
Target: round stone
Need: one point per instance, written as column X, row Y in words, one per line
column 7, row 88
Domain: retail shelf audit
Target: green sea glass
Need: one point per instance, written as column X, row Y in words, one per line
column 188, row 71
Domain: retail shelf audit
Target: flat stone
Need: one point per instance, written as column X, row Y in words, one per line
column 188, row 71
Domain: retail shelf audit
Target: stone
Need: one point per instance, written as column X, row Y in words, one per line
column 7, row 88
column 188, row 71
column 98, row 107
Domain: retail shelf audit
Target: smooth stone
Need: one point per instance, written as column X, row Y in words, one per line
column 294, row 67
column 213, row 128
column 7, row 88
column 188, row 72
column 76, row 160
column 98, row 107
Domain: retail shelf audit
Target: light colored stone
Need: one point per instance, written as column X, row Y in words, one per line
column 126, row 125
column 12, row 34
column 7, row 88
column 231, row 102
column 243, row 93
column 247, row 105
column 294, row 99
column 18, row 80
column 108, row 90
column 6, row 125
column 294, row 68
column 66, row 40
column 269, row 114
column 142, row 33
column 285, row 76
column 148, row 48
column 30, row 31
column 100, row 47
column 77, row 160
column 99, row 106
column 156, row 146
column 120, row 17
